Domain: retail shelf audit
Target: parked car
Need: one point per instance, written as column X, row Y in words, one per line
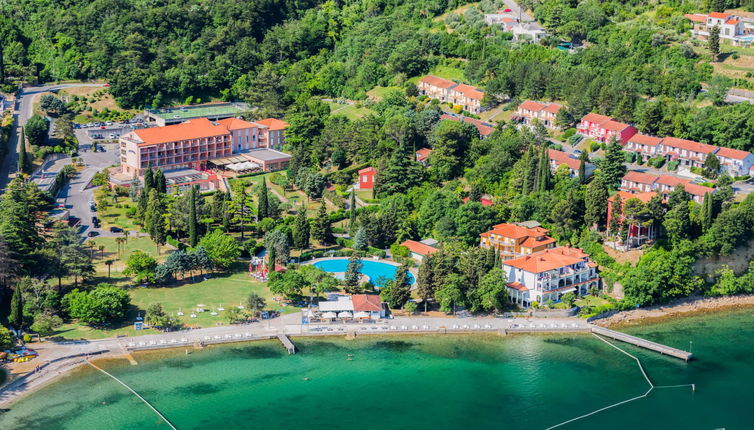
column 92, row 233
column 116, row 230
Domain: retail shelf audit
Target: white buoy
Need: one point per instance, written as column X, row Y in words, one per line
column 193, row 315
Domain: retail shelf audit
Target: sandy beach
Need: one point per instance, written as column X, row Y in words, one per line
column 680, row 307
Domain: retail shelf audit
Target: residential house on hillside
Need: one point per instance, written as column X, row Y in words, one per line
column 638, row 182
column 515, row 240
column 558, row 158
column 546, row 113
column 467, row 96
column 366, row 178
column 734, row 161
column 548, row 274
column 421, row 249
column 643, row 145
column 688, row 152
column 522, row 31
column 422, row 156
column 603, row 128
column 732, row 27
column 638, row 231
column 484, row 128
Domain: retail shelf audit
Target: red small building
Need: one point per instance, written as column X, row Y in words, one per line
column 603, row 128
column 366, row 178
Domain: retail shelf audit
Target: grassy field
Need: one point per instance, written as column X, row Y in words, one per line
column 351, row 112
column 448, row 72
column 378, row 92
column 97, row 98
column 226, row 290
column 496, row 114
column 114, row 216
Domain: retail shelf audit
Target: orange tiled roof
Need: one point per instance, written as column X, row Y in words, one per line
column 625, row 195
column 423, row 154
column 671, row 181
column 531, row 105
column 731, row 21
column 514, row 231
column 192, row 129
column 643, row 139
column 718, row 15
column 735, row 154
column 639, row 177
column 614, row 125
column 437, row 82
column 688, row 145
column 698, row 190
column 366, row 303
column 484, row 129
column 532, row 242
column 469, row 91
column 553, row 108
column 596, row 118
column 516, row 286
column 236, row 124
column 273, row 124
column 367, row 170
column 696, row 17
column 549, row 259
column 418, row 247
column 562, row 158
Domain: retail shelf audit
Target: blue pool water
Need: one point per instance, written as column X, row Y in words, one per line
column 377, row 271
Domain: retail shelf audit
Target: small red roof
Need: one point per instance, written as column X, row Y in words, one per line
column 423, row 154
column 561, row 157
column 639, row 177
column 273, row 124
column 718, row 15
column 625, row 195
column 671, row 181
column 484, row 128
column 553, row 108
column 516, row 286
column 366, row 303
column 696, row 17
column 698, row 190
column 614, row 125
column 731, row 21
column 483, row 201
column 367, row 171
column 688, row 145
column 643, row 139
column 735, row 154
column 418, row 247
column 469, row 91
column 596, row 118
column 437, row 82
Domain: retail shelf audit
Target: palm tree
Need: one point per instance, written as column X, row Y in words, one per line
column 109, row 263
column 102, row 251
column 118, row 242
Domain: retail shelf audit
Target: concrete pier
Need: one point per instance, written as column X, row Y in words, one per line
column 643, row 343
column 287, row 343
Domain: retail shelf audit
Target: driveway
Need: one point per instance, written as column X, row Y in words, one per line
column 24, row 110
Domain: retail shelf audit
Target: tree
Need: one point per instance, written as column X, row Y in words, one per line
column 154, row 219
column 289, row 283
column 450, row 294
column 105, row 303
column 255, row 303
column 352, row 211
column 301, row 230
column 492, row 294
column 160, row 183
column 583, row 159
column 45, row 324
column 193, row 222
column 51, row 104
column 353, row 274
column 360, row 240
column 36, row 130
column 16, row 317
column 595, row 200
column 616, row 215
column 677, row 223
column 141, row 266
column 277, row 241
column 6, row 338
column 23, row 160
column 397, row 291
column 321, row 229
column 711, row 167
column 714, row 42
column 240, row 206
column 450, row 140
column 223, row 250
column 410, row 307
column 613, row 167
column 544, row 175
column 109, row 263
column 400, row 174
column 262, row 200
column 706, row 213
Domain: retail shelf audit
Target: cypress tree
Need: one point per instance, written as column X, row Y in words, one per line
column 16, row 317
column 583, row 159
column 352, row 211
column 714, row 42
column 148, row 180
column 153, row 219
column 193, row 225
column 301, row 231
column 321, row 230
column 543, row 173
column 271, row 260
column 263, row 202
column 22, row 153
column 226, row 212
column 706, row 214
column 159, row 181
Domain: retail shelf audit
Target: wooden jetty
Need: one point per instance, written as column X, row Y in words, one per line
column 643, row 343
column 287, row 343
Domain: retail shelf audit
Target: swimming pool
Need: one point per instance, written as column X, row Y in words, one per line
column 377, row 271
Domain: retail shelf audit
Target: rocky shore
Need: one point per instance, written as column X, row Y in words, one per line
column 686, row 306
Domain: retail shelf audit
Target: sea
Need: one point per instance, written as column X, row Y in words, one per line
column 420, row 382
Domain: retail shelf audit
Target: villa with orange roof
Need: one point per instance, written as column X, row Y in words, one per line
column 420, row 249
column 559, row 158
column 422, row 156
column 546, row 113
column 548, row 274
column 603, row 128
column 515, row 240
column 732, row 27
column 467, row 96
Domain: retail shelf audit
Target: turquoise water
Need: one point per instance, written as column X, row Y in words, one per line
column 378, row 272
column 441, row 382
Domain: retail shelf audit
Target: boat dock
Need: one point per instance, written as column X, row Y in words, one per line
column 287, row 343
column 643, row 343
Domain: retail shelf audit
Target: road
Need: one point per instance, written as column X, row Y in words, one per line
column 24, row 110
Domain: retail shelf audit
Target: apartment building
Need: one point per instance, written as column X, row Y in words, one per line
column 688, row 152
column 734, row 161
column 643, row 145
column 467, row 96
column 603, row 128
column 637, row 182
column 559, row 158
column 546, row 113
column 484, row 128
column 548, row 274
column 193, row 143
column 515, row 240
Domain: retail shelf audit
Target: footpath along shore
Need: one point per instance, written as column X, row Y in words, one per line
column 681, row 307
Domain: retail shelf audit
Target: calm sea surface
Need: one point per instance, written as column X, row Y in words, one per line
column 441, row 382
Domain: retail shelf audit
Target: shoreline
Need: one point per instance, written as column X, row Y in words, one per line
column 685, row 307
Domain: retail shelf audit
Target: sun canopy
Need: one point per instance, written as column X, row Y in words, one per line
column 361, row 315
column 345, row 315
column 329, row 315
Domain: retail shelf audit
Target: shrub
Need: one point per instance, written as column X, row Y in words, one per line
column 594, row 146
column 673, row 165
column 399, row 250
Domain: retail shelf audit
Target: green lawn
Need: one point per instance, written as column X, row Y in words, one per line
column 351, row 112
column 219, row 290
column 116, row 216
column 591, row 301
column 365, row 194
column 378, row 92
column 448, row 72
column 132, row 243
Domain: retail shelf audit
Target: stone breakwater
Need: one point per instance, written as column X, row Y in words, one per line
column 684, row 306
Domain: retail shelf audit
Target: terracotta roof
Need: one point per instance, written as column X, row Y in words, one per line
column 516, row 286
column 625, row 195
column 484, row 128
column 423, row 154
column 192, row 129
column 731, row 21
column 437, row 82
column 366, row 303
column 469, row 91
column 735, row 154
column 549, row 259
column 672, row 181
column 273, row 124
column 698, row 190
column 367, row 170
column 643, row 139
column 531, row 105
column 562, row 158
column 596, row 118
column 483, row 201
column 418, row 247
column 514, row 231
column 719, row 15
column 688, row 145
column 639, row 177
column 614, row 125
column 532, row 242
column 696, row 17
column 553, row 108
column 236, row 124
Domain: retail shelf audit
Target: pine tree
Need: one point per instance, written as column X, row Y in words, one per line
column 543, row 171
column 22, row 153
column 148, row 180
column 360, row 240
column 583, row 159
column 271, row 260
column 706, row 214
column 133, row 190
column 263, row 201
column 301, row 230
column 714, row 42
column 595, row 200
column 352, row 211
column 16, row 317
column 321, row 229
column 226, row 215
column 160, row 183
column 154, row 219
column 615, row 214
column 193, row 223
column 613, row 167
